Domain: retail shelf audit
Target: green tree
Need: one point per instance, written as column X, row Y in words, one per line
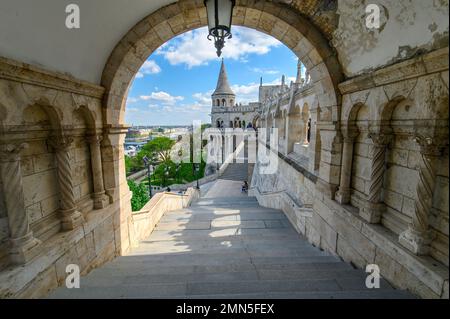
column 132, row 164
column 140, row 195
column 160, row 146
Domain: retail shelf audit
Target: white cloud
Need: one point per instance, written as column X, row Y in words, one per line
column 162, row 97
column 203, row 98
column 193, row 48
column 264, row 71
column 131, row 100
column 149, row 67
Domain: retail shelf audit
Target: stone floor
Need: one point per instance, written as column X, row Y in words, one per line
column 226, row 246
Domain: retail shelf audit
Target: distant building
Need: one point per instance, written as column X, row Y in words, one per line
column 226, row 113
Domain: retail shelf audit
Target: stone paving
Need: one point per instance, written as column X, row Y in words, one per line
column 226, row 247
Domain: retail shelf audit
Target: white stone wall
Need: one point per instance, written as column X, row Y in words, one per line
column 405, row 106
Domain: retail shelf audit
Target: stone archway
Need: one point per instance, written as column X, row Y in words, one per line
column 288, row 24
column 283, row 22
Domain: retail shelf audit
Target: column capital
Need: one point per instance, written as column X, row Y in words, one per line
column 11, row 152
column 62, row 143
column 430, row 146
column 349, row 135
column 380, row 138
column 94, row 139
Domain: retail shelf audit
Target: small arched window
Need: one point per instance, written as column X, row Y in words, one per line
column 308, row 133
column 218, row 102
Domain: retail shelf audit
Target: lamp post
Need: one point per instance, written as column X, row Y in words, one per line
column 149, row 166
column 165, row 175
column 219, row 13
column 176, row 172
column 197, row 169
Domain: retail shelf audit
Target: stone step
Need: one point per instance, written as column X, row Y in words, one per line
column 218, row 223
column 257, row 286
column 137, row 278
column 221, row 211
column 112, row 287
column 119, row 268
column 224, row 250
column 188, row 234
column 358, row 294
column 224, row 217
column 222, row 244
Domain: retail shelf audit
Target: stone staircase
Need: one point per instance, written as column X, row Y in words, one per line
column 236, row 172
column 226, row 248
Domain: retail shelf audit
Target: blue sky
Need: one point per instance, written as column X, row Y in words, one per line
column 174, row 85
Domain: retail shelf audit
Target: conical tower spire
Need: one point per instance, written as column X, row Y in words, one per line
column 223, row 87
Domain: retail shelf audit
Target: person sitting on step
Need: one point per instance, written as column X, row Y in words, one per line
column 244, row 187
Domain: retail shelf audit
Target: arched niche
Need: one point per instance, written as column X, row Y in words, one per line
column 40, row 122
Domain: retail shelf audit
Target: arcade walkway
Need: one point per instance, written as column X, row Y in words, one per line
column 226, row 247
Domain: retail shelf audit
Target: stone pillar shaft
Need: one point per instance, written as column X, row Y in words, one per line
column 24, row 245
column 374, row 206
column 418, row 236
column 343, row 194
column 71, row 217
column 100, row 199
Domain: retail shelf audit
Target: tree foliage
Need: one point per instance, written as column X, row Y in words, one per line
column 158, row 150
column 160, row 146
column 140, row 195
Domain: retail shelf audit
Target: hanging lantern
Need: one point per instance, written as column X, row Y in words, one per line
column 219, row 14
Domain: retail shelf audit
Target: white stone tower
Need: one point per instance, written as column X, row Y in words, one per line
column 223, row 96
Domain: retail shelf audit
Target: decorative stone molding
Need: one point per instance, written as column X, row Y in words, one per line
column 29, row 74
column 418, row 236
column 435, row 61
column 71, row 217
column 23, row 245
column 100, row 199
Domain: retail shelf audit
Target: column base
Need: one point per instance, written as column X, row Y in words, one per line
column 416, row 242
column 24, row 249
column 342, row 196
column 71, row 219
column 325, row 188
column 100, row 200
column 371, row 212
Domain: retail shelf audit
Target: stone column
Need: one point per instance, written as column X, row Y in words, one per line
column 418, row 236
column 373, row 208
column 305, row 131
column 293, row 132
column 343, row 194
column 71, row 217
column 100, row 198
column 23, row 245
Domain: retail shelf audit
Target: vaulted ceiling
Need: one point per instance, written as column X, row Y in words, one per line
column 34, row 31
